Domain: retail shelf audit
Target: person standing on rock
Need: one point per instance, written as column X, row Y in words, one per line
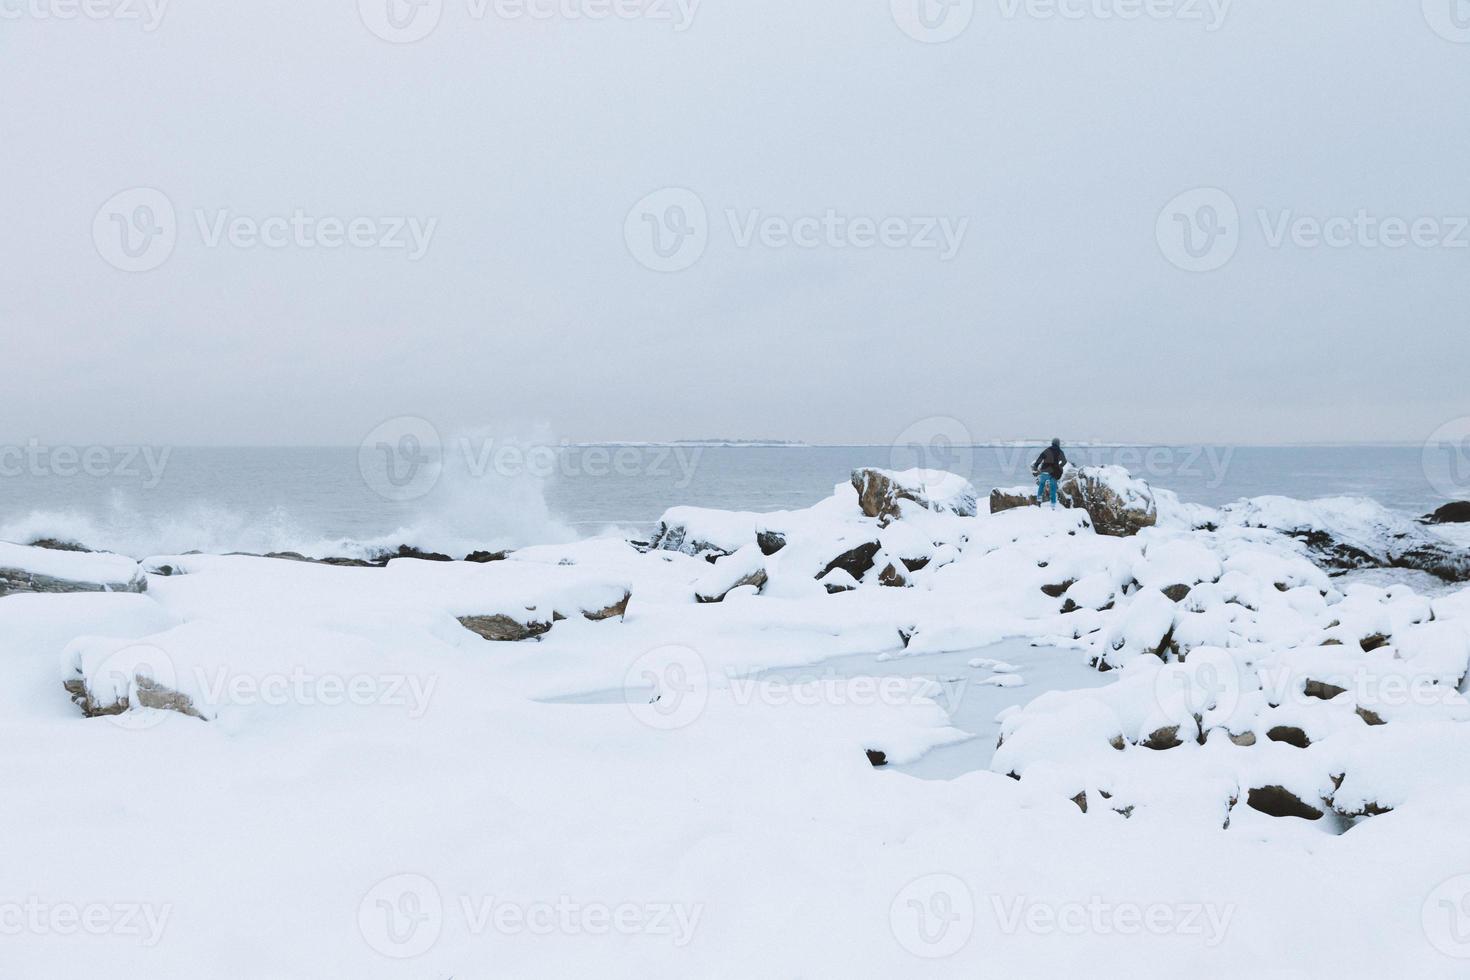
column 1048, row 468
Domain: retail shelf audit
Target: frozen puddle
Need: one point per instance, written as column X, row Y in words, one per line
column 973, row 696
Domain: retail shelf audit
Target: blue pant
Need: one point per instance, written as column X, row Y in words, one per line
column 1047, row 480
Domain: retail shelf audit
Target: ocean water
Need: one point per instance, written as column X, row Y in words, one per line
column 459, row 497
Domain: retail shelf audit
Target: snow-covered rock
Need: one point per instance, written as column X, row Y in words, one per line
column 880, row 492
column 1118, row 504
column 1353, row 532
column 744, row 567
column 29, row 569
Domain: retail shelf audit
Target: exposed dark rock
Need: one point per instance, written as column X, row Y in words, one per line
column 1004, row 500
column 1163, row 738
column 856, row 561
column 1177, row 592
column 502, row 628
column 1457, row 512
column 1323, row 690
column 1278, row 801
column 1081, row 800
column 618, row 608
column 485, row 557
column 892, row 577
column 914, row 564
column 1371, row 717
column 1373, row 642
column 877, row 758
column 1289, row 734
column 1059, row 589
column 407, row 551
column 55, row 544
column 770, row 542
column 756, row 578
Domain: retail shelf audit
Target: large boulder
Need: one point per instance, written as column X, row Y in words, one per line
column 880, row 491
column 1118, row 504
column 34, row 569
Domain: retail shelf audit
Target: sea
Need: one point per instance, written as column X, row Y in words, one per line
column 464, row 495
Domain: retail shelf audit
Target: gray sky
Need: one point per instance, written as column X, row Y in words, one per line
column 519, row 146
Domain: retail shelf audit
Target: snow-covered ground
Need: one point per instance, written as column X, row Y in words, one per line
column 778, row 759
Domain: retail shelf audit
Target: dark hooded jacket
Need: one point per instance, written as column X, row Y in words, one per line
column 1051, row 461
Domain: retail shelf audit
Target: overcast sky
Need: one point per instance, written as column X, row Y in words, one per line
column 870, row 225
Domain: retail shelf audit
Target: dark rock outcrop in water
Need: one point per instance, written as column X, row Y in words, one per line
column 1452, row 513
column 56, row 544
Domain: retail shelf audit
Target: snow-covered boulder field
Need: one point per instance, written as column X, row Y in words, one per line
column 571, row 759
